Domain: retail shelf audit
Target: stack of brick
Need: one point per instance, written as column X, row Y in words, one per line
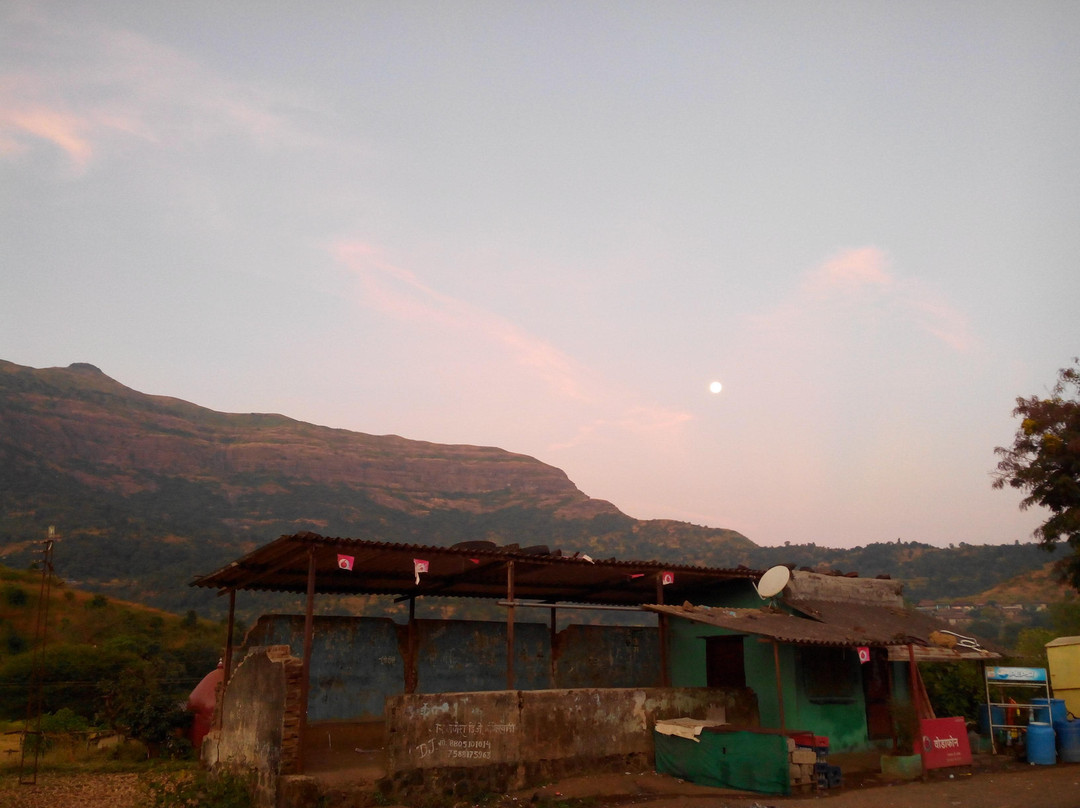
column 808, row 762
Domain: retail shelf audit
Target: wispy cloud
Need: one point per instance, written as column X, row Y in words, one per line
column 851, row 271
column 63, row 129
column 96, row 91
column 601, row 409
column 401, row 294
column 859, row 286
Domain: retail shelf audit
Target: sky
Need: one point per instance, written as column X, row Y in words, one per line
column 550, row 226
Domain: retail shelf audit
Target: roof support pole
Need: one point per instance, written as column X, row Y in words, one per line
column 510, row 625
column 916, row 700
column 552, row 640
column 411, row 674
column 305, row 670
column 229, row 637
column 779, row 684
column 662, row 624
column 913, row 678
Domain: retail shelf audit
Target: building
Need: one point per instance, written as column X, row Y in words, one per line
column 504, row 703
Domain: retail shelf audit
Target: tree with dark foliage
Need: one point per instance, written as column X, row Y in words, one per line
column 1044, row 461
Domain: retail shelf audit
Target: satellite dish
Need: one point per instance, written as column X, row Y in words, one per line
column 773, row 581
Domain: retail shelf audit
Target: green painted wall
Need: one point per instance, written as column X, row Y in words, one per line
column 843, row 723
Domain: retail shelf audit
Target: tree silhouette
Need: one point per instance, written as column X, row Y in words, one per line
column 1044, row 461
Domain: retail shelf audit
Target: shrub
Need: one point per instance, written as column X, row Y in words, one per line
column 15, row 595
column 53, row 726
column 202, row 789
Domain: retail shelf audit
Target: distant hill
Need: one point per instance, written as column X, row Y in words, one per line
column 934, row 573
column 1034, row 586
column 149, row 491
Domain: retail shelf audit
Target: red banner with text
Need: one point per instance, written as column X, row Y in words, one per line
column 944, row 743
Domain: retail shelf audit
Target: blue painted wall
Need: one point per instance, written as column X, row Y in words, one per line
column 357, row 662
column 607, row 656
column 457, row 656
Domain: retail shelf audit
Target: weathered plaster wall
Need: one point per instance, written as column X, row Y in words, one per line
column 355, row 662
column 814, row 585
column 607, row 656
column 260, row 717
column 467, row 655
column 515, row 735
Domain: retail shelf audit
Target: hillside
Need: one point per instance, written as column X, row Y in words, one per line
column 148, row 491
column 91, row 641
column 935, row 573
column 1035, row 586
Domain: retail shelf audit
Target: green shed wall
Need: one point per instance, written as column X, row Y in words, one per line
column 844, row 724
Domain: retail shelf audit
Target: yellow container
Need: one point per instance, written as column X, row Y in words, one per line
column 1063, row 654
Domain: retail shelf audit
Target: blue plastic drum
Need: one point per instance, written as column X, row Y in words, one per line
column 1057, row 714
column 1068, row 736
column 1040, row 744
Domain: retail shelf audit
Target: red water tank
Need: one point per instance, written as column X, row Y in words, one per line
column 202, row 701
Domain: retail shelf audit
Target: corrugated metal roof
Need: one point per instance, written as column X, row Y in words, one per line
column 825, row 623
column 471, row 569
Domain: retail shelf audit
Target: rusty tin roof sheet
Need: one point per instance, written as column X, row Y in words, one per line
column 827, row 623
column 471, row 569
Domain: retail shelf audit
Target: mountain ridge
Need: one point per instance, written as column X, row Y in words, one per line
column 175, row 487
column 150, row 491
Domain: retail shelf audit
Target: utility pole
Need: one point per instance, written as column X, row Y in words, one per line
column 35, row 698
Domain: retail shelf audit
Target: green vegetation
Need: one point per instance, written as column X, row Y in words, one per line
column 106, row 665
column 1044, row 461
column 196, row 789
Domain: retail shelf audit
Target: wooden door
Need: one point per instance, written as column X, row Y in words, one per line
column 724, row 662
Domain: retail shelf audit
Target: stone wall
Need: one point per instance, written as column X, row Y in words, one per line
column 463, row 743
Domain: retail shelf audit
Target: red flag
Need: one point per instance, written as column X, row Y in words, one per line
column 667, row 578
column 345, row 562
column 864, row 654
column 419, row 565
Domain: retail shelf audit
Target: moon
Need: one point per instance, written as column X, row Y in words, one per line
column 715, row 387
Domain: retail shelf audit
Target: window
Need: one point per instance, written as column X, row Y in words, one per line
column 828, row 675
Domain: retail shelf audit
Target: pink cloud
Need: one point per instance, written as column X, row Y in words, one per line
column 945, row 322
column 858, row 285
column 850, row 271
column 126, row 86
column 64, row 130
column 400, row 293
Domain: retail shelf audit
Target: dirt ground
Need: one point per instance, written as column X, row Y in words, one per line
column 993, row 782
column 1000, row 782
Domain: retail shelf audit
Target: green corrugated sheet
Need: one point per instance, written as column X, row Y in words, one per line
column 748, row 761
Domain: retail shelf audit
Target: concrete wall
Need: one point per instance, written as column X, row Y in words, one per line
column 358, row 662
column 467, row 655
column 508, row 738
column 355, row 662
column 260, row 716
column 607, row 656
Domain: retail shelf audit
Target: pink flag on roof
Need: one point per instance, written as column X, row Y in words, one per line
column 419, row 565
column 345, row 562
